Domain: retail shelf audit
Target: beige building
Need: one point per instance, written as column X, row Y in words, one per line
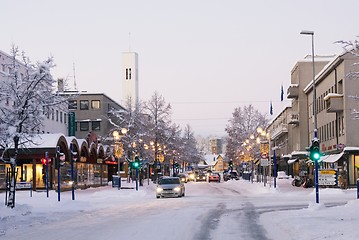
column 338, row 130
column 301, row 76
column 281, row 138
column 293, row 129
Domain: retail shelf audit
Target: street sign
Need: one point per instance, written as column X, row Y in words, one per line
column 264, row 162
column 72, row 124
column 327, row 177
column 264, row 155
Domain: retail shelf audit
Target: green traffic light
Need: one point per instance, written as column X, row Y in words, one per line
column 316, row 156
column 135, row 164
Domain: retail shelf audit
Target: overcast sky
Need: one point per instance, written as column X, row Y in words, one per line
column 205, row 57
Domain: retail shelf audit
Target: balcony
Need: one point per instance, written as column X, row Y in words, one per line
column 334, row 102
column 279, row 131
column 294, row 118
column 293, row 91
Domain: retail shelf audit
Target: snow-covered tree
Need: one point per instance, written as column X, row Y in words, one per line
column 26, row 95
column 159, row 113
column 133, row 119
column 191, row 153
column 243, row 123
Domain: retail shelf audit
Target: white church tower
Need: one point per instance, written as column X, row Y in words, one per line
column 130, row 78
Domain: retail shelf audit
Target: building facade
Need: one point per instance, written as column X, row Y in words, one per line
column 94, row 114
column 338, row 127
column 338, row 130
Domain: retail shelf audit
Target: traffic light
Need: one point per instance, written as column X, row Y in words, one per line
column 314, row 152
column 136, row 163
column 176, row 166
column 230, row 164
column 43, row 161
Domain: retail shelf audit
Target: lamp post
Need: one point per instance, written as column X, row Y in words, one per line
column 304, row 32
column 118, row 151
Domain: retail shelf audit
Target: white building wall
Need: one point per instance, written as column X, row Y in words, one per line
column 130, row 78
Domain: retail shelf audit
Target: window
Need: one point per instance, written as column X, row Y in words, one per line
column 3, row 68
column 84, row 105
column 95, row 104
column 61, row 117
column 57, row 115
column 52, row 114
column 96, row 125
column 72, row 105
column 65, row 116
column 84, row 126
column 128, row 73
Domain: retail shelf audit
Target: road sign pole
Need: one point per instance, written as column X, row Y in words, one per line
column 316, row 182
column 136, row 179
column 47, row 174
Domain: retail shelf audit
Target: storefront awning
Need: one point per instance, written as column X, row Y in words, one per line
column 333, row 158
column 291, row 161
column 299, row 154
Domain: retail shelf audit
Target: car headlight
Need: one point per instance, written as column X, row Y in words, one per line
column 159, row 189
column 177, row 189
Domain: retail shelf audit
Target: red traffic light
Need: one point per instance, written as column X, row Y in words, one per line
column 43, row 161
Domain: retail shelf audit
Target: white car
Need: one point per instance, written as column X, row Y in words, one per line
column 170, row 187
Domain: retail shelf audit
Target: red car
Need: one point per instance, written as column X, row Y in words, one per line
column 214, row 177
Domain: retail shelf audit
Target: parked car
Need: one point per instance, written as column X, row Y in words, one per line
column 170, row 187
column 231, row 175
column 214, row 177
column 201, row 177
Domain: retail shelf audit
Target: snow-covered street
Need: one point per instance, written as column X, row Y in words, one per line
column 228, row 210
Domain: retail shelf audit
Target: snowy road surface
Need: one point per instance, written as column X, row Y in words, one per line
column 229, row 210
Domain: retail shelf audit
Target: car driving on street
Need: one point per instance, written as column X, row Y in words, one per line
column 231, row 175
column 183, row 177
column 214, row 177
column 170, row 187
column 201, row 177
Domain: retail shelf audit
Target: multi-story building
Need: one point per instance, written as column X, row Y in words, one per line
column 338, row 129
column 216, row 145
column 301, row 76
column 281, row 138
column 93, row 114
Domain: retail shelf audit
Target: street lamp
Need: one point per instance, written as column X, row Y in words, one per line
column 118, row 151
column 304, row 32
